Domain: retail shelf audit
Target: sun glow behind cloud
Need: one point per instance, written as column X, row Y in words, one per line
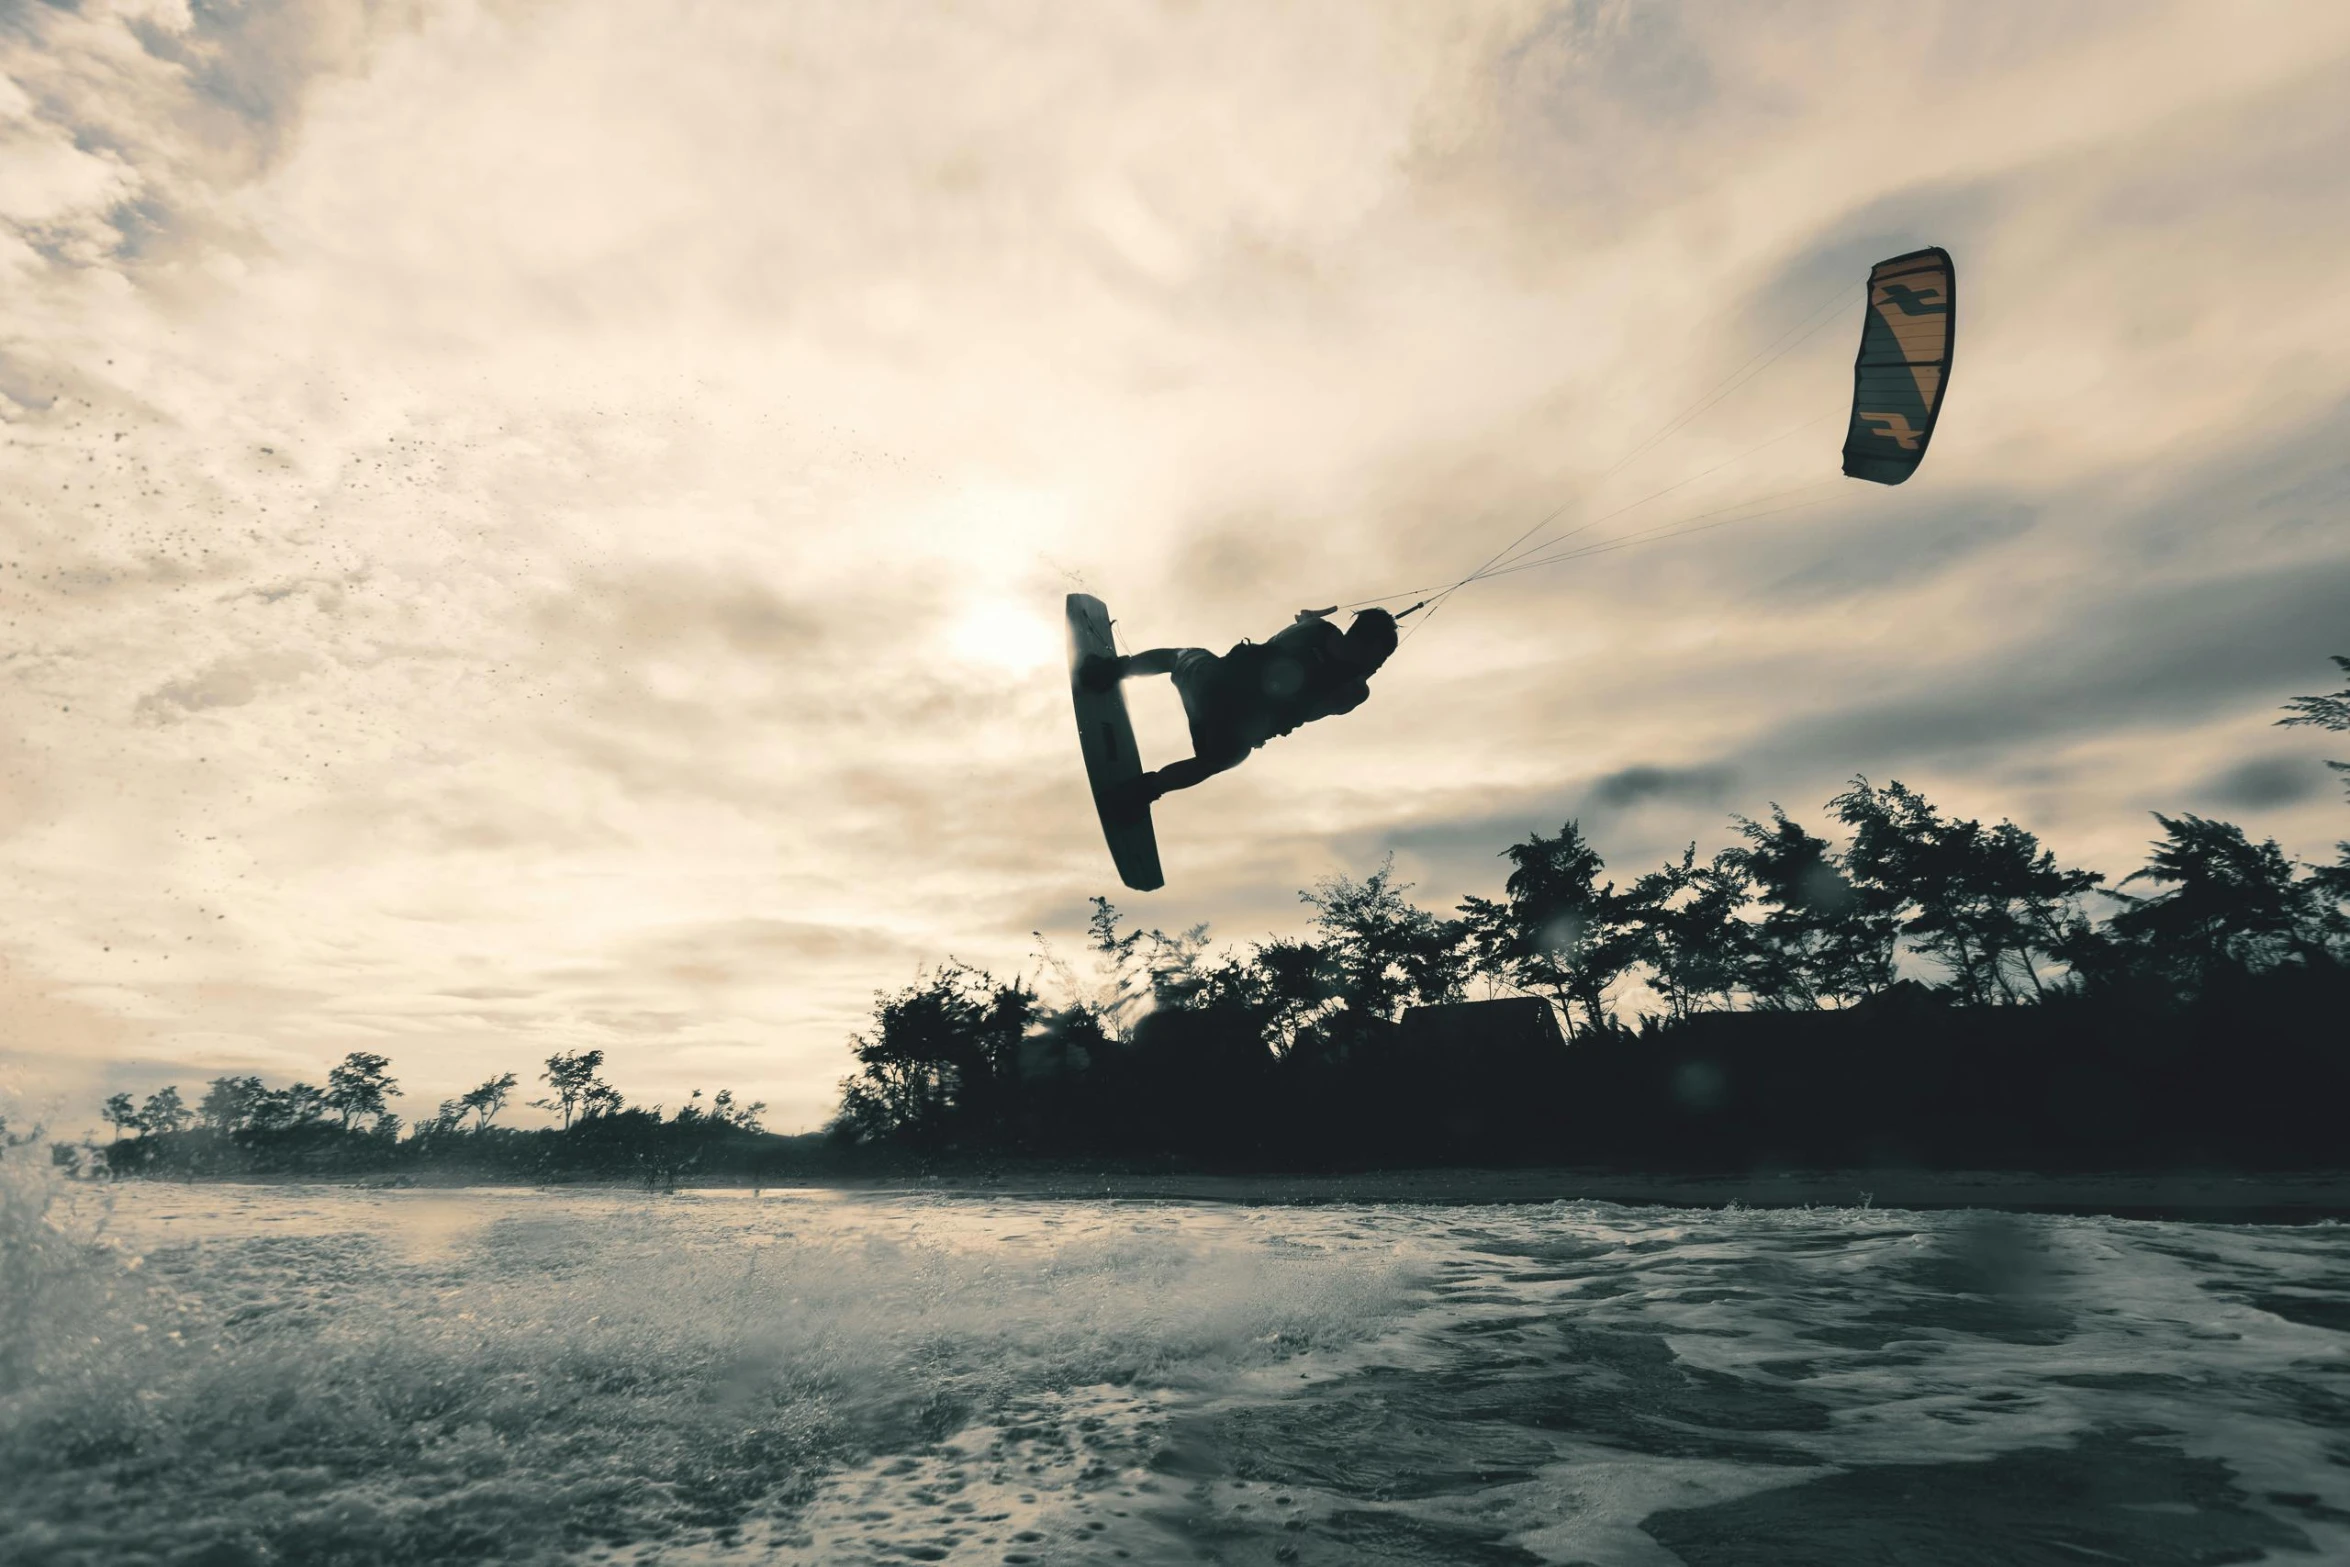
column 1007, row 635
column 534, row 526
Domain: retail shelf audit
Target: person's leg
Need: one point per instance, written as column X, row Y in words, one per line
column 1202, row 680
column 1215, row 746
column 1099, row 673
column 1198, row 681
column 1182, row 775
column 1153, row 661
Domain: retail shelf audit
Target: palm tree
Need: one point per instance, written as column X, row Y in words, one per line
column 486, row 1101
column 1560, row 931
column 2232, row 906
column 1690, row 936
column 165, row 1111
column 1989, row 904
column 1822, row 940
column 2331, row 711
column 360, row 1086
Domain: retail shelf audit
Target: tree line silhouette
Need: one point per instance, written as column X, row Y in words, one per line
column 1923, row 989
column 243, row 1126
column 1929, row 988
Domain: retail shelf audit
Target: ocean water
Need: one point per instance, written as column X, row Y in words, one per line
column 221, row 1374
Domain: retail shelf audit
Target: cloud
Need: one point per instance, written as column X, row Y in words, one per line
column 1452, row 851
column 1680, row 785
column 542, row 526
column 1863, row 556
column 2162, row 654
column 741, row 949
column 2267, row 781
column 227, row 683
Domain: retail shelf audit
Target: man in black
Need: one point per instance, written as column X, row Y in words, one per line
column 1309, row 670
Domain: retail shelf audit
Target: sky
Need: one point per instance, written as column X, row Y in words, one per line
column 541, row 526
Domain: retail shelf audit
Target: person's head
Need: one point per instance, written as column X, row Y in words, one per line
column 1370, row 639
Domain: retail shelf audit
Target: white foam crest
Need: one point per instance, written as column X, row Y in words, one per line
column 635, row 1368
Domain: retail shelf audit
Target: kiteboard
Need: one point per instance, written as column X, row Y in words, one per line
column 1106, row 735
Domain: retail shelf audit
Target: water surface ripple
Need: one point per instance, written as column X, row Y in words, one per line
column 309, row 1374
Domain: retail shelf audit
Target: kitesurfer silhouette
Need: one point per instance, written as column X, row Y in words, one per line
column 1308, row 670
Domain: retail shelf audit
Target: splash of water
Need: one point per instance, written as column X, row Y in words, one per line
column 615, row 1372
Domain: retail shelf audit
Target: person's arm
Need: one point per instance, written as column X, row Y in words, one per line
column 1300, row 645
column 1331, row 700
column 1309, row 640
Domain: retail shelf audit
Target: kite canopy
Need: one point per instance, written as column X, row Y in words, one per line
column 1904, row 365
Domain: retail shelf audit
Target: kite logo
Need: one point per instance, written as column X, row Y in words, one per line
column 1913, row 302
column 1897, row 429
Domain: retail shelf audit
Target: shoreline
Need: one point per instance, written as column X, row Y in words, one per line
column 2268, row 1197
column 2259, row 1197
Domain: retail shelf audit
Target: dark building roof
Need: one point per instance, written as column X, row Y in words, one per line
column 1514, row 1029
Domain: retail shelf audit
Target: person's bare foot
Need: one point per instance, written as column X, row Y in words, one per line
column 1134, row 796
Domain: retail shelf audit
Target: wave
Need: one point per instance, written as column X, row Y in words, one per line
column 622, row 1373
